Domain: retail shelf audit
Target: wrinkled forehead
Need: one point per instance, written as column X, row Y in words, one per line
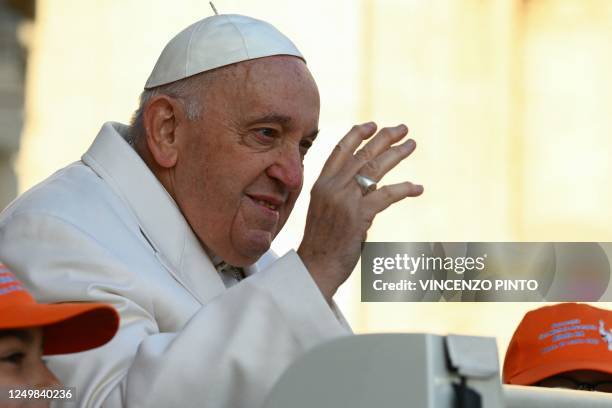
column 270, row 67
column 278, row 84
column 274, row 71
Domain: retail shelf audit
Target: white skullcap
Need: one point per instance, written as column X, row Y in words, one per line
column 215, row 42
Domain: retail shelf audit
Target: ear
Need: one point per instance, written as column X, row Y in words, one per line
column 162, row 116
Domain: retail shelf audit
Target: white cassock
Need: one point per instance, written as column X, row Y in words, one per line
column 104, row 229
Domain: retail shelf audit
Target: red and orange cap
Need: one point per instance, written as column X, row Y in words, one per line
column 555, row 339
column 67, row 327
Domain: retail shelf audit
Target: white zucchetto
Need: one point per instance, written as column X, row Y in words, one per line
column 217, row 41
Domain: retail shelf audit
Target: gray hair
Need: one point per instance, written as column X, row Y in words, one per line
column 187, row 91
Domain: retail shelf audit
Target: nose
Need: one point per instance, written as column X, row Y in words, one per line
column 43, row 377
column 288, row 168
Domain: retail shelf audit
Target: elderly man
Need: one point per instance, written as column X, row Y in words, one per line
column 171, row 221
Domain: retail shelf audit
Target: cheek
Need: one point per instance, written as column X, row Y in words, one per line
column 284, row 216
column 10, row 376
column 206, row 182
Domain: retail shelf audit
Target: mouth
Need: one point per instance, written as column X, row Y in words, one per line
column 269, row 202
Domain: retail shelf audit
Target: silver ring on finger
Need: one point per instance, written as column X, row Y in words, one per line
column 367, row 184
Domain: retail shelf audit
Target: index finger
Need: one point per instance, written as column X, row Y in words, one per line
column 347, row 145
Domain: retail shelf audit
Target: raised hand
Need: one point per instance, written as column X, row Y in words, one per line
column 341, row 210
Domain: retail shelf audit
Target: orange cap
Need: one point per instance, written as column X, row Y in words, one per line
column 67, row 327
column 554, row 339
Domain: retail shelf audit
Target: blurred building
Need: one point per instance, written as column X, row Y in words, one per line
column 13, row 16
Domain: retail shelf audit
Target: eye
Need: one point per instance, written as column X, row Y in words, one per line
column 305, row 145
column 266, row 134
column 13, row 358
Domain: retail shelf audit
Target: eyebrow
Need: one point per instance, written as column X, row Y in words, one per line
column 282, row 119
column 23, row 335
column 271, row 117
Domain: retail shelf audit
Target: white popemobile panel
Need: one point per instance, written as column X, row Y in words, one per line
column 412, row 370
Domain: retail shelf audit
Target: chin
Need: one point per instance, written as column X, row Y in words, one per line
column 251, row 247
